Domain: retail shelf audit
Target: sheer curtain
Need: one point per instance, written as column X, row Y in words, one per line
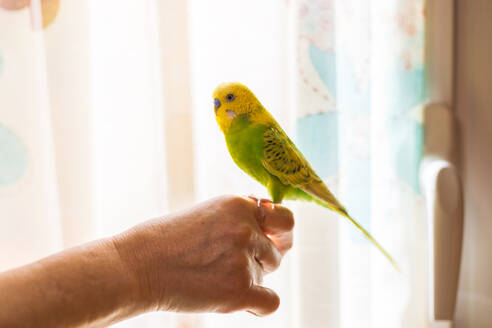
column 106, row 120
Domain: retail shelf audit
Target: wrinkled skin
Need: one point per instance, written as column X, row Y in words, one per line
column 209, row 258
column 215, row 256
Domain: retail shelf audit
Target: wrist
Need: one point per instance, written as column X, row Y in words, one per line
column 135, row 255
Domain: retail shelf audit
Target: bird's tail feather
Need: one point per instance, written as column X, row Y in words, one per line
column 343, row 212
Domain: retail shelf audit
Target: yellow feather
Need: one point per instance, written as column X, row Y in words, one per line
column 244, row 103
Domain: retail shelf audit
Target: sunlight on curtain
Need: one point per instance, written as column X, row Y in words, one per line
column 227, row 46
column 28, row 196
column 106, row 120
column 361, row 82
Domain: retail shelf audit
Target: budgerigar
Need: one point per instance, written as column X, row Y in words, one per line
column 260, row 147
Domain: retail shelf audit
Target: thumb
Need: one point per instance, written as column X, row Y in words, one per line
column 261, row 301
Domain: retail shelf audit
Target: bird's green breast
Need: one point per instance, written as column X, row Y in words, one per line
column 245, row 143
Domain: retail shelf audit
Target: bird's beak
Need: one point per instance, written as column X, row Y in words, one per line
column 216, row 104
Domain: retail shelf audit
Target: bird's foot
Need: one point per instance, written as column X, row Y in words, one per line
column 261, row 201
column 261, row 211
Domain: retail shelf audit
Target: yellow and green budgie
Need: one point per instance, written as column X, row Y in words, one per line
column 260, row 147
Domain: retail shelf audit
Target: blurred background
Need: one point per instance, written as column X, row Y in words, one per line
column 106, row 120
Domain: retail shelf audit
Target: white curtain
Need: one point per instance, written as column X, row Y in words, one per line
column 106, row 120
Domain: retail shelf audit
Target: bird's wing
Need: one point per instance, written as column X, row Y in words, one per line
column 282, row 159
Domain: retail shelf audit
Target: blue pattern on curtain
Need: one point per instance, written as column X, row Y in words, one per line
column 360, row 90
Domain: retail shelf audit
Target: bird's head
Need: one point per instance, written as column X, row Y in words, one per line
column 231, row 100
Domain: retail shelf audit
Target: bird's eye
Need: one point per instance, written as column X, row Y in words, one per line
column 230, row 97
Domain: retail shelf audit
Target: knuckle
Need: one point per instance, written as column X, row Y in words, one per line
column 289, row 243
column 272, row 267
column 243, row 235
column 289, row 219
column 234, row 200
column 243, row 280
column 239, row 262
column 238, row 281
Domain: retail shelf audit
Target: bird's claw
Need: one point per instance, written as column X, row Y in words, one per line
column 261, row 201
column 261, row 211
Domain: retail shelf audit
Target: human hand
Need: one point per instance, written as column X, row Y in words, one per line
column 209, row 258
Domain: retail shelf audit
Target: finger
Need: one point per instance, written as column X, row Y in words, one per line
column 283, row 242
column 279, row 223
column 266, row 253
column 259, row 213
column 277, row 219
column 258, row 271
column 260, row 301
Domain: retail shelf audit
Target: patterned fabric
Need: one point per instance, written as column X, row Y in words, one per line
column 78, row 161
column 43, row 12
column 360, row 91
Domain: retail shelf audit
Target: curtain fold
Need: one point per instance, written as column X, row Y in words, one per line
column 360, row 85
column 106, row 120
column 27, row 152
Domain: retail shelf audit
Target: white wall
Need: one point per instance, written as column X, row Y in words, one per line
column 473, row 90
